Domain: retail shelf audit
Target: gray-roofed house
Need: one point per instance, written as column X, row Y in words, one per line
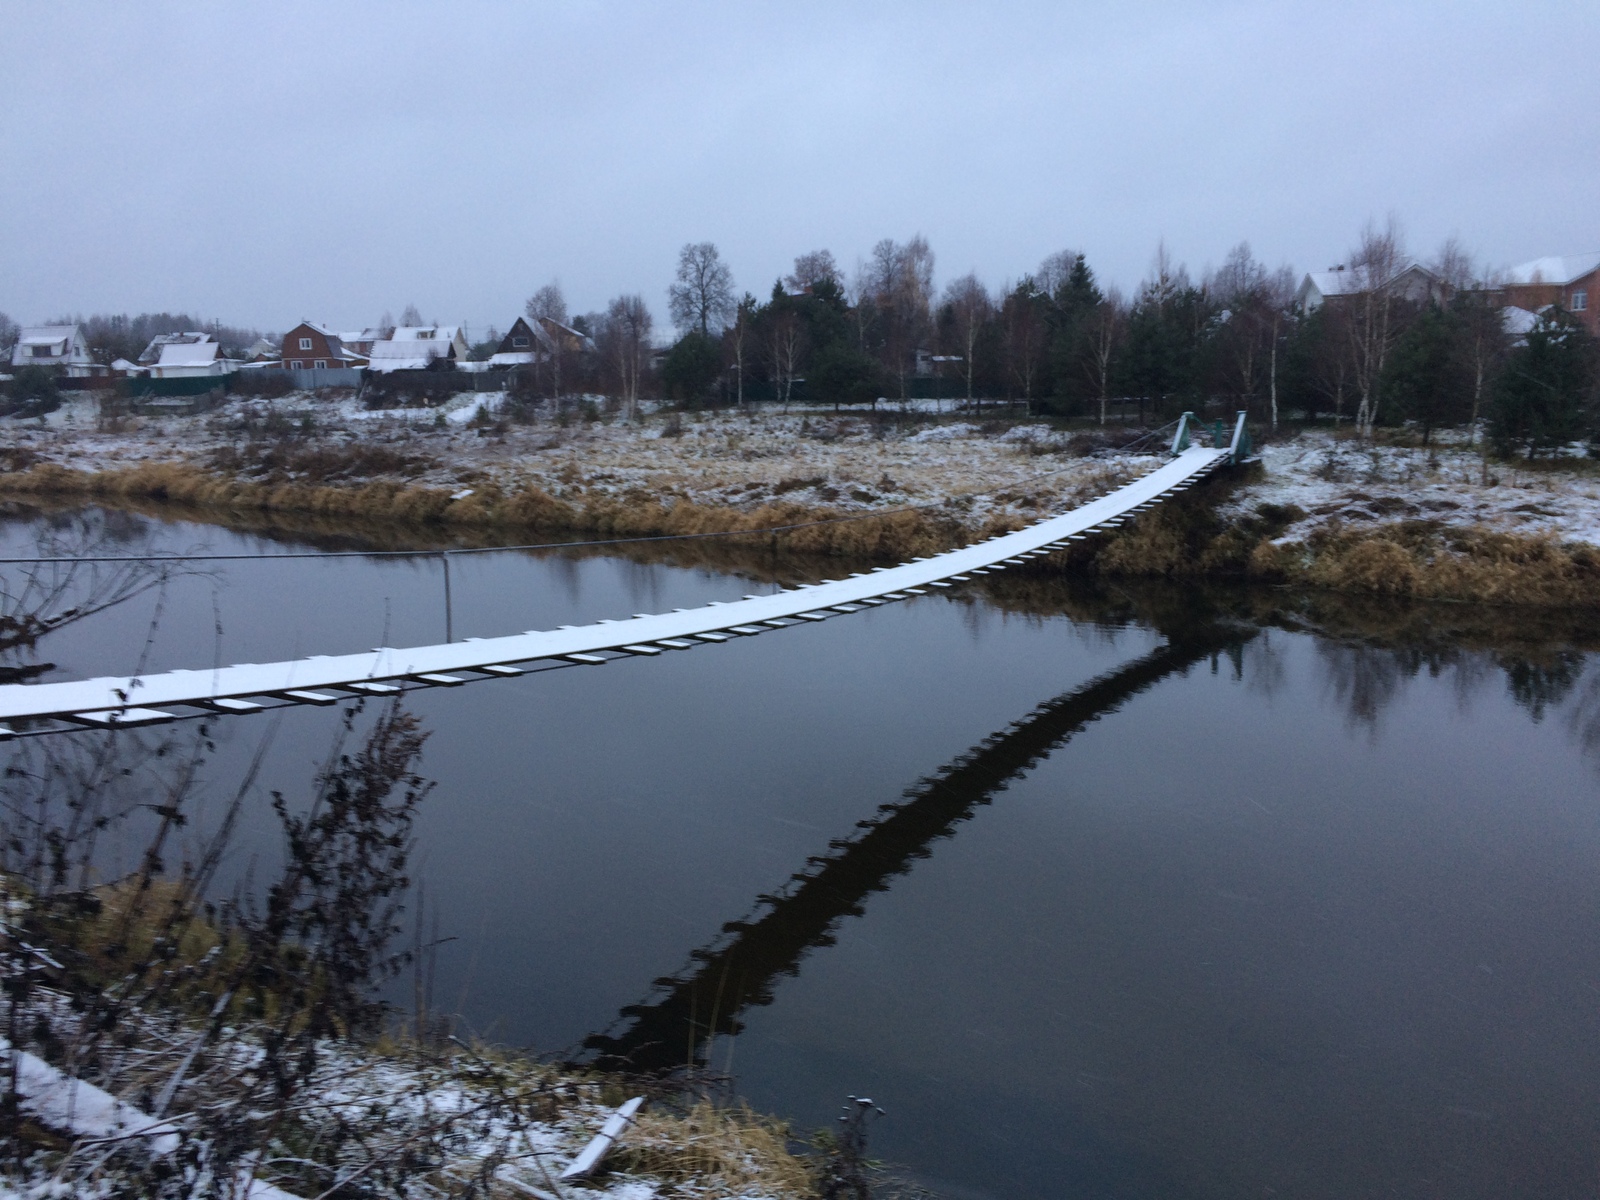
column 1412, row 282
column 416, row 347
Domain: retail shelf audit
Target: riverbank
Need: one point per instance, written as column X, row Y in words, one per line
column 1320, row 509
column 108, row 1094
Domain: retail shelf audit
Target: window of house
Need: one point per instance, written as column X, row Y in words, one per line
column 297, row 365
column 41, row 351
column 321, row 364
column 1580, row 299
column 519, row 342
column 305, row 343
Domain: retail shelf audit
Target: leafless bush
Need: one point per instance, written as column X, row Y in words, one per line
column 38, row 598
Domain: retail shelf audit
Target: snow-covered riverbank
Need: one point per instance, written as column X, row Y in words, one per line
column 951, row 476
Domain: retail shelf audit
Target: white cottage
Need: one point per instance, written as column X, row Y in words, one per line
column 186, row 360
column 61, row 346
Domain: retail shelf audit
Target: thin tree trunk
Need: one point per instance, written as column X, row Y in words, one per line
column 1272, row 375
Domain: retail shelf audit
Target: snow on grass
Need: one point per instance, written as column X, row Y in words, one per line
column 1339, row 480
column 61, row 1102
column 460, row 1109
column 852, row 462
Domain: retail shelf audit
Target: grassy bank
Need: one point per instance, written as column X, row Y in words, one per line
column 153, row 1045
column 1413, row 559
column 490, row 509
column 1423, row 559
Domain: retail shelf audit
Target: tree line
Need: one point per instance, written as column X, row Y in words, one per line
column 1063, row 344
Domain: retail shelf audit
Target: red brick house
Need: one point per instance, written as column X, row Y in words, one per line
column 1572, row 282
column 309, row 347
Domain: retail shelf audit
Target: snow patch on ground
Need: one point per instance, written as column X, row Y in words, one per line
column 1336, row 480
column 59, row 1101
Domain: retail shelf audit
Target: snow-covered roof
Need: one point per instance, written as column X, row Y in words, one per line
column 188, row 354
column 425, row 333
column 123, row 364
column 1334, row 283
column 152, row 352
column 422, row 349
column 50, row 345
column 582, row 339
column 1518, row 322
column 1554, row 268
column 511, row 358
column 47, row 335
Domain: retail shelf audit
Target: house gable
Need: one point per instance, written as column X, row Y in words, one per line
column 309, row 347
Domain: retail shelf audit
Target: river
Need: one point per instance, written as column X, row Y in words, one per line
column 1146, row 892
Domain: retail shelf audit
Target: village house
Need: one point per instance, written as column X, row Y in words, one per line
column 310, row 347
column 1413, row 282
column 416, row 347
column 191, row 359
column 1572, row 281
column 535, row 339
column 151, row 354
column 61, row 346
column 525, row 342
column 263, row 351
column 360, row 341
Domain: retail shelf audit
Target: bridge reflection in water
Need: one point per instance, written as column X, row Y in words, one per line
column 677, row 1025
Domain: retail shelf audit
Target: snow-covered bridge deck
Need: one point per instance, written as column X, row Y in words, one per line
column 252, row 687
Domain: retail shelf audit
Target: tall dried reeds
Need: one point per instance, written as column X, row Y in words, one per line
column 900, row 534
column 1184, row 539
column 734, row 1149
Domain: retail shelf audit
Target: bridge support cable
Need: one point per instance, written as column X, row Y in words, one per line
column 145, row 699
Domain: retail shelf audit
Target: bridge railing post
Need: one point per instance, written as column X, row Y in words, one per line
column 1180, row 439
column 1239, row 447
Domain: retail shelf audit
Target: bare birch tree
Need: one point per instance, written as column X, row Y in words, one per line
column 626, row 338
column 1055, row 271
column 1371, row 327
column 737, row 340
column 786, row 336
column 1023, row 330
column 1471, row 290
column 899, row 278
column 1256, row 302
column 548, row 304
column 1106, row 326
column 972, row 308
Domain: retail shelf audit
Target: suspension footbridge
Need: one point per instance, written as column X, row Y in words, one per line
column 113, row 701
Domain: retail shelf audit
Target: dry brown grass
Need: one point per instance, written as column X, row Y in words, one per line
column 734, row 1150
column 891, row 535
column 1186, row 539
column 1430, row 561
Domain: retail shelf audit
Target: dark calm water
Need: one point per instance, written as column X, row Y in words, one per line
column 1159, row 906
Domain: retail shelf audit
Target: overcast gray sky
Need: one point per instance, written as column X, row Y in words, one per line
column 265, row 162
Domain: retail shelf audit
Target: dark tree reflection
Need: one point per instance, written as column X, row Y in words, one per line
column 1539, row 684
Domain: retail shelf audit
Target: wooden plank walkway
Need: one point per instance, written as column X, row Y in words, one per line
column 251, row 687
